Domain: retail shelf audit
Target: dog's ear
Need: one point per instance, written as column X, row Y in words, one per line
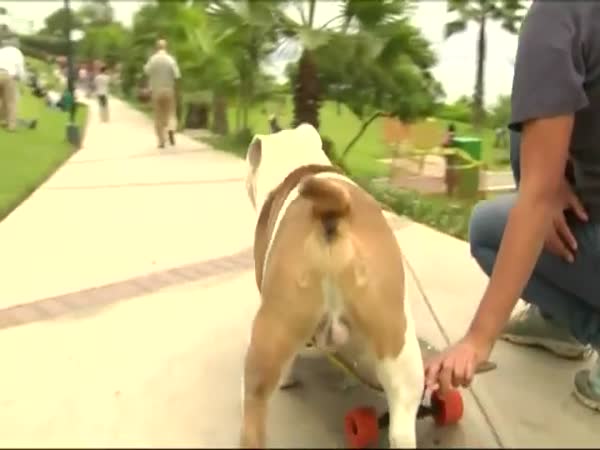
column 254, row 155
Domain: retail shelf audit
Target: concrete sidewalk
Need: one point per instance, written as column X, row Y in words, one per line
column 130, row 297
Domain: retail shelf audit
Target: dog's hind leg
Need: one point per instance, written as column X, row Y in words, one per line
column 402, row 379
column 271, row 351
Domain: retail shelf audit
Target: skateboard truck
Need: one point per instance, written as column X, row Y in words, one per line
column 362, row 425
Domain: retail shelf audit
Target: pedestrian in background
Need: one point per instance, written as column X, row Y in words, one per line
column 12, row 70
column 102, row 84
column 163, row 75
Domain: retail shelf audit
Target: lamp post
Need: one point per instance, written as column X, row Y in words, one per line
column 71, row 35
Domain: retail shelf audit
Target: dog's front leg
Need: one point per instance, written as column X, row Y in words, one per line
column 402, row 379
column 270, row 353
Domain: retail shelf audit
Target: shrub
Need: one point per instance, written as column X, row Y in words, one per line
column 446, row 215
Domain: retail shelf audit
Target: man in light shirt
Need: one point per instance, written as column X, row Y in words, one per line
column 12, row 70
column 102, row 84
column 163, row 74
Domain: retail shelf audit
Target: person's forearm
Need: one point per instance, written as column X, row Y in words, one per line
column 521, row 245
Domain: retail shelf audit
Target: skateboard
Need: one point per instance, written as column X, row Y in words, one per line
column 362, row 424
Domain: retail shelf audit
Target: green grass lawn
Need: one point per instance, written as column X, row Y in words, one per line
column 28, row 157
column 340, row 125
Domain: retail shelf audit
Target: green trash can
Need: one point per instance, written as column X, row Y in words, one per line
column 467, row 185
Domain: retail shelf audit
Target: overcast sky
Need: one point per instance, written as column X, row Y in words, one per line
column 455, row 69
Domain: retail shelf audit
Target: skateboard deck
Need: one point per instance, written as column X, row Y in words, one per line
column 362, row 369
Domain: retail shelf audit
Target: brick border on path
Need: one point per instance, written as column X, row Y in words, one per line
column 53, row 307
column 59, row 305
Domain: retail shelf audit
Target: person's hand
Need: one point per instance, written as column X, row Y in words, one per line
column 560, row 241
column 456, row 366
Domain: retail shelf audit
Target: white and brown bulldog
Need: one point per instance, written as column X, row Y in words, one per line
column 329, row 271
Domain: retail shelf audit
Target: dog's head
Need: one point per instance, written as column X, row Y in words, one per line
column 272, row 157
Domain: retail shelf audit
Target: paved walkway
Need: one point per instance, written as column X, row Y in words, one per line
column 124, row 317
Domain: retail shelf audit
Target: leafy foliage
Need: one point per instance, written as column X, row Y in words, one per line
column 105, row 42
column 459, row 111
column 55, row 23
column 499, row 115
column 507, row 12
column 449, row 216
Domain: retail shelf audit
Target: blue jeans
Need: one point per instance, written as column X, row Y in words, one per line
column 567, row 293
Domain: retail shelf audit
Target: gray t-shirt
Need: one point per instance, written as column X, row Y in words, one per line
column 162, row 71
column 557, row 72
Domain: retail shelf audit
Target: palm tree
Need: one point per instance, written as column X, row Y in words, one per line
column 356, row 17
column 210, row 56
column 507, row 12
column 305, row 87
column 248, row 27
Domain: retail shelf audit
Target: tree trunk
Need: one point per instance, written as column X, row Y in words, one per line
column 361, row 131
column 197, row 116
column 478, row 96
column 220, row 123
column 245, row 117
column 306, row 92
column 238, row 115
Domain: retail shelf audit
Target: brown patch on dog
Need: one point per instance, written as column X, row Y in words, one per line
column 270, row 210
column 292, row 267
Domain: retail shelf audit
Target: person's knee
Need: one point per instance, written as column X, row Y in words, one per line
column 483, row 230
column 486, row 227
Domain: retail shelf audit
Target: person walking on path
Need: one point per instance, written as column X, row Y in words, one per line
column 102, row 84
column 173, row 120
column 542, row 243
column 12, row 70
column 163, row 75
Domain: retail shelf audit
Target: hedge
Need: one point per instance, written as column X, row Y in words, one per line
column 447, row 215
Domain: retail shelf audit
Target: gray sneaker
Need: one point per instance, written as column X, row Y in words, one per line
column 529, row 327
column 587, row 386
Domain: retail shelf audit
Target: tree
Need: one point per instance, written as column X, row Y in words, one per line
column 355, row 17
column 105, row 42
column 459, row 111
column 96, row 12
column 56, row 21
column 480, row 12
column 249, row 36
column 306, row 89
column 499, row 115
column 378, row 65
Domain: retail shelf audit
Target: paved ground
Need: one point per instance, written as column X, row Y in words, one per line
column 123, row 322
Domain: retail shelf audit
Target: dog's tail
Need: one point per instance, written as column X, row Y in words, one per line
column 331, row 202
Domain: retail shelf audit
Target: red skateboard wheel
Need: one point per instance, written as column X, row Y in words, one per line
column 449, row 409
column 361, row 427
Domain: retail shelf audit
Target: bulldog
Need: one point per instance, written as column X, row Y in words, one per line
column 330, row 272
